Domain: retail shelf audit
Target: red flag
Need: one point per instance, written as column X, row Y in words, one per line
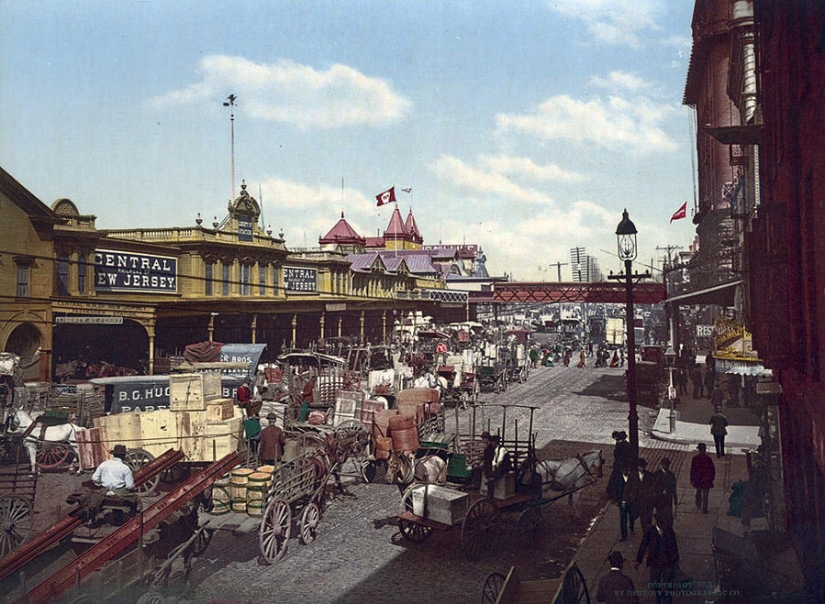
column 680, row 213
column 387, row 196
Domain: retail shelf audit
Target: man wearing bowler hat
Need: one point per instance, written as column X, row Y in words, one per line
column 702, row 474
column 272, row 441
column 116, row 477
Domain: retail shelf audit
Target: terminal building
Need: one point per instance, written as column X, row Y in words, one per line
column 136, row 297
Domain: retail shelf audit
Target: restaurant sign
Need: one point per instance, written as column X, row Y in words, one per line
column 297, row 279
column 128, row 272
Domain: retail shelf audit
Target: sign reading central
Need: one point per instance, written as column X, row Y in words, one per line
column 300, row 279
column 126, row 272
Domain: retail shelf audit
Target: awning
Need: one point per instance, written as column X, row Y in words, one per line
column 742, row 367
column 718, row 294
column 736, row 135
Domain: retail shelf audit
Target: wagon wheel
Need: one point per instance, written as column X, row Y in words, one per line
column 480, row 529
column 16, row 523
column 359, row 438
column 369, row 468
column 414, row 532
column 136, row 459
column 529, row 524
column 52, row 456
column 574, row 588
column 309, row 523
column 492, row 588
column 275, row 530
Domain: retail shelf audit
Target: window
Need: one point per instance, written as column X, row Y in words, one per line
column 275, row 280
column 246, row 283
column 63, row 274
column 208, row 277
column 24, row 269
column 262, row 280
column 82, row 269
column 225, row 279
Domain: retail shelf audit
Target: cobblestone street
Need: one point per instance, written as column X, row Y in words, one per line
column 359, row 554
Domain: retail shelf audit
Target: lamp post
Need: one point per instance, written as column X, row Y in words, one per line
column 670, row 357
column 626, row 240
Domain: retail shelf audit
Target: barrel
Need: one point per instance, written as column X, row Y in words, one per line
column 238, row 482
column 221, row 499
column 256, row 490
column 383, row 446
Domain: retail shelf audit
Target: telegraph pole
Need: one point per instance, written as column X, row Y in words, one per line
column 230, row 102
column 558, row 266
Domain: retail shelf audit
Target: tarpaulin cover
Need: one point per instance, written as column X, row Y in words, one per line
column 203, row 352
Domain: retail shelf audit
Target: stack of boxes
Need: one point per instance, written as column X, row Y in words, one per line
column 201, row 424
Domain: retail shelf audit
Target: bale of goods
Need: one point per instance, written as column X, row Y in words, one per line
column 381, row 422
column 221, row 498
column 404, row 433
column 383, row 446
column 317, row 418
column 238, row 482
column 368, row 409
column 256, row 490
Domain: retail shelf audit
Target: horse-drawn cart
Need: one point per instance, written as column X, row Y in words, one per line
column 513, row 501
column 569, row 589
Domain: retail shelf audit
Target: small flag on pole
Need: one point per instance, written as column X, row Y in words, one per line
column 409, row 190
column 387, row 196
column 680, row 213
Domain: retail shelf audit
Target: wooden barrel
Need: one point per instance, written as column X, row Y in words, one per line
column 256, row 490
column 221, row 499
column 383, row 446
column 267, row 470
column 238, row 482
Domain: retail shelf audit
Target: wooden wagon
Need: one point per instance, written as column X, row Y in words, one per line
column 17, row 491
column 571, row 588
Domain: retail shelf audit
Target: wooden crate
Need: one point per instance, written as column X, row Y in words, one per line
column 191, row 428
column 223, row 437
column 159, row 431
column 120, row 428
column 505, row 487
column 220, row 409
column 443, row 505
column 92, row 448
column 191, row 391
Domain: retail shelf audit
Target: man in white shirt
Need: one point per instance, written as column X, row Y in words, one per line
column 116, row 477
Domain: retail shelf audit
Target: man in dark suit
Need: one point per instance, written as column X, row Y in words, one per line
column 616, row 587
column 640, row 493
column 665, row 482
column 659, row 543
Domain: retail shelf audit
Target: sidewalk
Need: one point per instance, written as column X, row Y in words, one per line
column 694, row 530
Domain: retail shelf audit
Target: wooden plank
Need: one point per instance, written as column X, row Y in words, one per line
column 191, row 430
column 159, row 431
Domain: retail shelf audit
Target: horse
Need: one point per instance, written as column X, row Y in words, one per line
column 403, row 469
column 61, row 433
column 555, row 478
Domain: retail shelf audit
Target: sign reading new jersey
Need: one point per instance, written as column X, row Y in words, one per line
column 244, row 229
column 127, row 272
column 300, row 279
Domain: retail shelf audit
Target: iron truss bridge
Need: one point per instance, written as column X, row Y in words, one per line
column 604, row 292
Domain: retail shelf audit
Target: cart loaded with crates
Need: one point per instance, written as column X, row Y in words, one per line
column 494, row 368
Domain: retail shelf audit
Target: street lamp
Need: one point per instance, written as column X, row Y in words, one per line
column 670, row 357
column 626, row 240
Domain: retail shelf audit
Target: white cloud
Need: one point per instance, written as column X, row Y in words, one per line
column 620, row 22
column 485, row 182
column 621, row 80
column 527, row 169
column 296, row 94
column 615, row 124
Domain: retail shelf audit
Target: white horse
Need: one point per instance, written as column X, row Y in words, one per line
column 404, row 469
column 565, row 476
column 52, row 435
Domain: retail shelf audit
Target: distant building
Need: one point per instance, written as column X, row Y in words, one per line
column 584, row 268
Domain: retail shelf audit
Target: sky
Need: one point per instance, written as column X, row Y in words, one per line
column 523, row 126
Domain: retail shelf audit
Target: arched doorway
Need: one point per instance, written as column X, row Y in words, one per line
column 125, row 345
column 25, row 341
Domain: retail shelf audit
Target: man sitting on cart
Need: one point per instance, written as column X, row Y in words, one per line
column 115, row 477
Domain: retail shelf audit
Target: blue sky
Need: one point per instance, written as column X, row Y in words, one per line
column 524, row 126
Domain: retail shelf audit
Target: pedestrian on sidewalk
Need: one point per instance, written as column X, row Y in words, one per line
column 659, row 543
column 616, row 587
column 682, row 380
column 582, row 359
column 718, row 428
column 621, row 452
column 698, row 381
column 640, row 493
column 666, row 499
column 616, row 487
column 710, row 381
column 702, row 474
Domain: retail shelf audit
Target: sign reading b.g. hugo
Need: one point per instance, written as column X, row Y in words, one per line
column 125, row 271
